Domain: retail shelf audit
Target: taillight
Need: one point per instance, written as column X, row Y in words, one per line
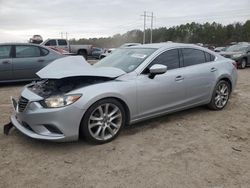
column 235, row 64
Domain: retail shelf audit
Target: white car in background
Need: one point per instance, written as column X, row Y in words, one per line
column 109, row 51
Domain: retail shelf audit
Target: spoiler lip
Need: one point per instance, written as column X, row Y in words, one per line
column 72, row 66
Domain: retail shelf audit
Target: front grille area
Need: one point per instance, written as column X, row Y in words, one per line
column 22, row 103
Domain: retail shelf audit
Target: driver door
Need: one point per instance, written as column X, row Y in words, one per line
column 164, row 92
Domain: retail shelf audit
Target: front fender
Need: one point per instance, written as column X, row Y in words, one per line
column 122, row 90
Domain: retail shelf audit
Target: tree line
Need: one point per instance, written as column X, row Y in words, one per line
column 208, row 33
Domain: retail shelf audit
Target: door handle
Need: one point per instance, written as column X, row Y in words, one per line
column 179, row 78
column 41, row 60
column 213, row 69
column 6, row 62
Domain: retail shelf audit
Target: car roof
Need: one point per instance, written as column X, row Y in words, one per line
column 166, row 45
column 19, row 43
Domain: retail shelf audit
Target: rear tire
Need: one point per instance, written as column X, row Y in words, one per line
column 103, row 121
column 83, row 53
column 220, row 95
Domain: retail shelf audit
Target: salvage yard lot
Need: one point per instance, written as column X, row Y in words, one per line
column 193, row 148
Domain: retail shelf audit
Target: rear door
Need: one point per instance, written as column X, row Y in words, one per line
column 199, row 72
column 5, row 63
column 27, row 61
column 63, row 44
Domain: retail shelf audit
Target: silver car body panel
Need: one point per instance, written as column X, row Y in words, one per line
column 144, row 97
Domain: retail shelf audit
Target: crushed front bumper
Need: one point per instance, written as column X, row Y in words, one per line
column 57, row 124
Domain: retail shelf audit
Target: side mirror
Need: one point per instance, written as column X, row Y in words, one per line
column 157, row 69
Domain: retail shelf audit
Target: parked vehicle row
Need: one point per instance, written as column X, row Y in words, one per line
column 130, row 85
column 240, row 53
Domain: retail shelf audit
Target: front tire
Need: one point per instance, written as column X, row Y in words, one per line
column 220, row 95
column 103, row 121
column 243, row 64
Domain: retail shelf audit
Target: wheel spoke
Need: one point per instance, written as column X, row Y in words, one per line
column 113, row 111
column 95, row 118
column 223, row 88
column 110, row 130
column 113, row 124
column 91, row 125
column 101, row 111
column 115, row 117
column 98, row 131
column 106, row 109
column 103, row 133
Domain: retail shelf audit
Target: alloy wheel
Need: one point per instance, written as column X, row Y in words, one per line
column 105, row 121
column 222, row 95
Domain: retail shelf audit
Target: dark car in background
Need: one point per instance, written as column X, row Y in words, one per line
column 240, row 53
column 21, row 61
column 96, row 52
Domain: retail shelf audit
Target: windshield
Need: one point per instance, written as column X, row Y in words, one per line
column 237, row 48
column 127, row 59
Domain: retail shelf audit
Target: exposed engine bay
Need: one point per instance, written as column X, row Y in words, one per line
column 48, row 87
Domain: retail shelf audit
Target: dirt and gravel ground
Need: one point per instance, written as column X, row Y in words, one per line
column 193, row 148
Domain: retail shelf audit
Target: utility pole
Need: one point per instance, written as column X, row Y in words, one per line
column 145, row 15
column 144, row 30
column 67, row 35
column 151, row 34
column 61, row 35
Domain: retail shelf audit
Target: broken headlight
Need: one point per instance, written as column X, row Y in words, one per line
column 60, row 101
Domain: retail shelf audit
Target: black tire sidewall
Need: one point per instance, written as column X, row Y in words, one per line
column 84, row 131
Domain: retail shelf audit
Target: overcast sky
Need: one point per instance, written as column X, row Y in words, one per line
column 20, row 19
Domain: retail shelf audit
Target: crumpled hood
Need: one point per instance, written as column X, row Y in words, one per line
column 76, row 66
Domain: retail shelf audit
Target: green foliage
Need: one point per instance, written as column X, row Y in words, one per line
column 208, row 33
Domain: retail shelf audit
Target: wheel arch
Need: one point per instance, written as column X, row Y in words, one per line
column 227, row 80
column 82, row 50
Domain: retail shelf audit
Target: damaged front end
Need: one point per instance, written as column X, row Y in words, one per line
column 53, row 93
column 51, row 87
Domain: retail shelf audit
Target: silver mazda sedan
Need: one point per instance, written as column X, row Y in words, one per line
column 133, row 84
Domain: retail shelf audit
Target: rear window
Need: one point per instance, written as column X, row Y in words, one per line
column 27, row 51
column 209, row 57
column 62, row 42
column 44, row 51
column 193, row 57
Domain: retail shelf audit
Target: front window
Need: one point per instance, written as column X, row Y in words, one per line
column 127, row 59
column 5, row 52
column 51, row 43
